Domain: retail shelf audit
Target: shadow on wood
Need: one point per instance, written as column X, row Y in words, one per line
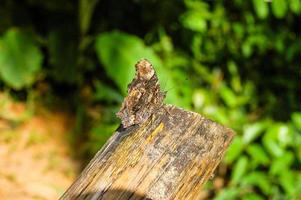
column 110, row 195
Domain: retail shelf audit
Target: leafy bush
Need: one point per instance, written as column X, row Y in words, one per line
column 237, row 63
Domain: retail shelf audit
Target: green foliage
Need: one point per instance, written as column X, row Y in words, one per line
column 86, row 8
column 237, row 63
column 279, row 8
column 62, row 53
column 20, row 59
column 195, row 18
column 261, row 8
column 267, row 165
column 119, row 52
column 296, row 118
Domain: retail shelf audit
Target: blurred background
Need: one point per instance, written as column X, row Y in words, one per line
column 65, row 66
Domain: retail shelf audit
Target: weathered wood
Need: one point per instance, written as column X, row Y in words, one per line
column 169, row 153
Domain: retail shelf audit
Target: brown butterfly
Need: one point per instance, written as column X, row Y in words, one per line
column 144, row 96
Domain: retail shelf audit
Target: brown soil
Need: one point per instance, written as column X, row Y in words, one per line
column 35, row 157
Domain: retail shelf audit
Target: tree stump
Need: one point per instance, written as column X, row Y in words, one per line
column 159, row 152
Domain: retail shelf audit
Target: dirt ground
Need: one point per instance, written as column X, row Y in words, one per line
column 35, row 157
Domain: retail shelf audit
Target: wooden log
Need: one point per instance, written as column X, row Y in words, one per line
column 160, row 152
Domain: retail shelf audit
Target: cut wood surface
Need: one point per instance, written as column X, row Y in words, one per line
column 160, row 152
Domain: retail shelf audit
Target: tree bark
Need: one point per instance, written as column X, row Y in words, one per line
column 166, row 154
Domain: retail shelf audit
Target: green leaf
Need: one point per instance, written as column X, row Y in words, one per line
column 277, row 138
column 273, row 147
column 235, row 78
column 298, row 186
column 228, row 96
column 193, row 20
column 228, row 194
column 296, row 118
column 285, row 135
column 295, row 6
column 279, row 8
column 252, row 131
column 20, row 59
column 297, row 146
column 252, row 197
column 261, row 8
column 239, row 170
column 199, row 98
column 217, row 113
column 258, row 154
column 282, row 163
column 247, row 48
column 288, row 181
column 235, row 150
column 119, row 52
column 258, row 179
column 86, row 8
column 196, row 15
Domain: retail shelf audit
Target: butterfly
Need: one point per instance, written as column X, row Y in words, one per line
column 144, row 96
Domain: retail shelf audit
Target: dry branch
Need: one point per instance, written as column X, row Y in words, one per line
column 160, row 152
